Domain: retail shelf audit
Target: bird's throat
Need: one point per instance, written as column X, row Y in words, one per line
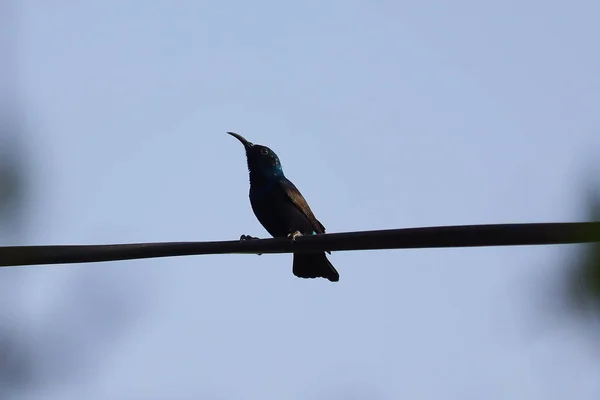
column 264, row 181
column 259, row 186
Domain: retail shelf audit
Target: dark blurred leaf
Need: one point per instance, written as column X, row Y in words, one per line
column 584, row 278
column 12, row 174
column 16, row 361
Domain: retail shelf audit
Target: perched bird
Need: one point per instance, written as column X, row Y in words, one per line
column 281, row 209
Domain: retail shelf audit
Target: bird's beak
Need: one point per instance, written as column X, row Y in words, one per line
column 242, row 139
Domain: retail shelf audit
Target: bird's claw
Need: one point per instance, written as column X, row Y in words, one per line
column 294, row 235
column 248, row 237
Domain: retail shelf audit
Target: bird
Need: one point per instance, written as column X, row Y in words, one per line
column 282, row 210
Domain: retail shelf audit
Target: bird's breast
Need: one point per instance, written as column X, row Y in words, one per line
column 261, row 190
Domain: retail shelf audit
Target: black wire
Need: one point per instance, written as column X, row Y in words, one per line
column 411, row 238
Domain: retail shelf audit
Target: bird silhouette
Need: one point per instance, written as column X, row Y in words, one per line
column 282, row 210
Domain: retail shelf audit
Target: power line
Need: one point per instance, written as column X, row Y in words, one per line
column 411, row 238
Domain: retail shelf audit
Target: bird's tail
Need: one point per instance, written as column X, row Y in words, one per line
column 314, row 265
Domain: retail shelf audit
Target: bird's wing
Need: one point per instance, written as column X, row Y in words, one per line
column 296, row 197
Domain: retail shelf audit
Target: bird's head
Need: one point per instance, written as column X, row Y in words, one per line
column 261, row 159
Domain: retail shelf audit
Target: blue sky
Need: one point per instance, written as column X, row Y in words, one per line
column 385, row 115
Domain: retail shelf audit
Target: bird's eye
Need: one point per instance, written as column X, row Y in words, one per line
column 264, row 151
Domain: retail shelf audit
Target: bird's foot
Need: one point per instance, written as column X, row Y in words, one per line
column 248, row 237
column 294, row 235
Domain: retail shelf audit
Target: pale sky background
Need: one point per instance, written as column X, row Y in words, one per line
column 385, row 115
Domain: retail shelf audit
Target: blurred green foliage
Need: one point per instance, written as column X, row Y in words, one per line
column 16, row 362
column 13, row 165
column 583, row 279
